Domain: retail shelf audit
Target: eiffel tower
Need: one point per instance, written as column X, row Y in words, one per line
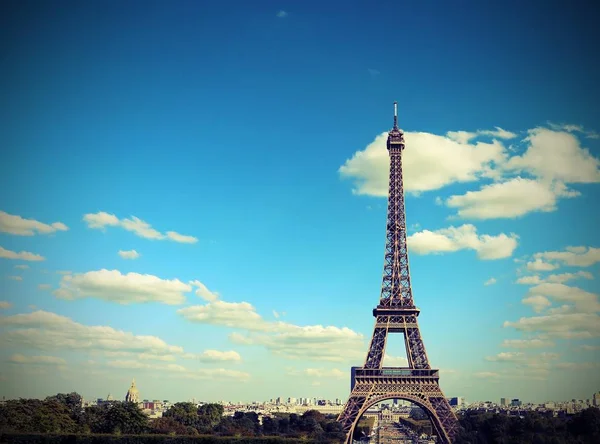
column 397, row 313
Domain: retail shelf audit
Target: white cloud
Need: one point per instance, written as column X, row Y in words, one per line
column 572, row 256
column 23, row 255
column 464, row 137
column 101, row 220
column 512, row 198
column 281, row 14
column 219, row 356
column 527, row 343
column 583, row 301
column 539, row 265
column 552, row 159
column 291, row 341
column 135, row 364
column 49, row 331
column 155, row 357
column 560, row 325
column 587, row 347
column 216, row 373
column 44, row 360
column 229, row 314
column 15, row 278
column 275, row 314
column 577, row 365
column 529, row 280
column 181, row 238
column 461, row 238
column 27, row 227
column 22, row 266
column 486, row 375
column 556, row 155
column 129, row 254
column 554, row 278
column 537, row 302
column 319, row 373
column 314, row 342
column 498, row 132
column 4, row 305
column 566, row 127
column 122, row 288
column 179, row 371
column 524, row 366
column 561, row 310
column 507, row 357
column 204, row 292
column 490, row 281
column 311, row 342
column 432, row 162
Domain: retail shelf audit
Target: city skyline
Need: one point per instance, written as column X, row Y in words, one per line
column 195, row 196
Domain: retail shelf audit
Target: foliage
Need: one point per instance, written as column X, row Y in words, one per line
column 493, row 428
column 138, row 439
column 61, row 419
column 364, row 427
column 65, row 414
column 33, row 415
column 167, row 426
column 201, row 419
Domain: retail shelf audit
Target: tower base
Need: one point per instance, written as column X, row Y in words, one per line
column 418, row 386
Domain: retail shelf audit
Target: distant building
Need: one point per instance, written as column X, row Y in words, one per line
column 133, row 395
column 456, row 401
column 503, row 402
column 515, row 402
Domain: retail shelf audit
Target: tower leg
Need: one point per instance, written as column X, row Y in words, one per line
column 350, row 415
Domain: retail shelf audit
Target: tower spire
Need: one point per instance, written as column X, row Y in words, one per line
column 395, row 115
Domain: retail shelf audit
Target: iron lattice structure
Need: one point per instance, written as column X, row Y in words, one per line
column 397, row 313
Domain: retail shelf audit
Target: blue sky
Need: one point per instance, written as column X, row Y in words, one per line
column 239, row 151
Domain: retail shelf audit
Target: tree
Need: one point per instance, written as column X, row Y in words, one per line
column 126, row 417
column 209, row 416
column 33, row 415
column 117, row 418
column 167, row 426
column 270, row 426
column 72, row 400
column 184, row 413
column 227, row 427
column 246, row 423
column 586, row 424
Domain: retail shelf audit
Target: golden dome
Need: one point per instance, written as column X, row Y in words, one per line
column 133, row 395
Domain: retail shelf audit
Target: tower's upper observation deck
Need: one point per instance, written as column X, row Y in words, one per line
column 395, row 136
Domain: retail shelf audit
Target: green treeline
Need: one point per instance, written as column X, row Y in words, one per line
column 62, row 415
column 493, row 428
column 60, row 419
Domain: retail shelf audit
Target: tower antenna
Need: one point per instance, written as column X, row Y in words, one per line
column 395, row 115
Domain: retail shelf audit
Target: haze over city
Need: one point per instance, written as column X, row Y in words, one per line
column 194, row 195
